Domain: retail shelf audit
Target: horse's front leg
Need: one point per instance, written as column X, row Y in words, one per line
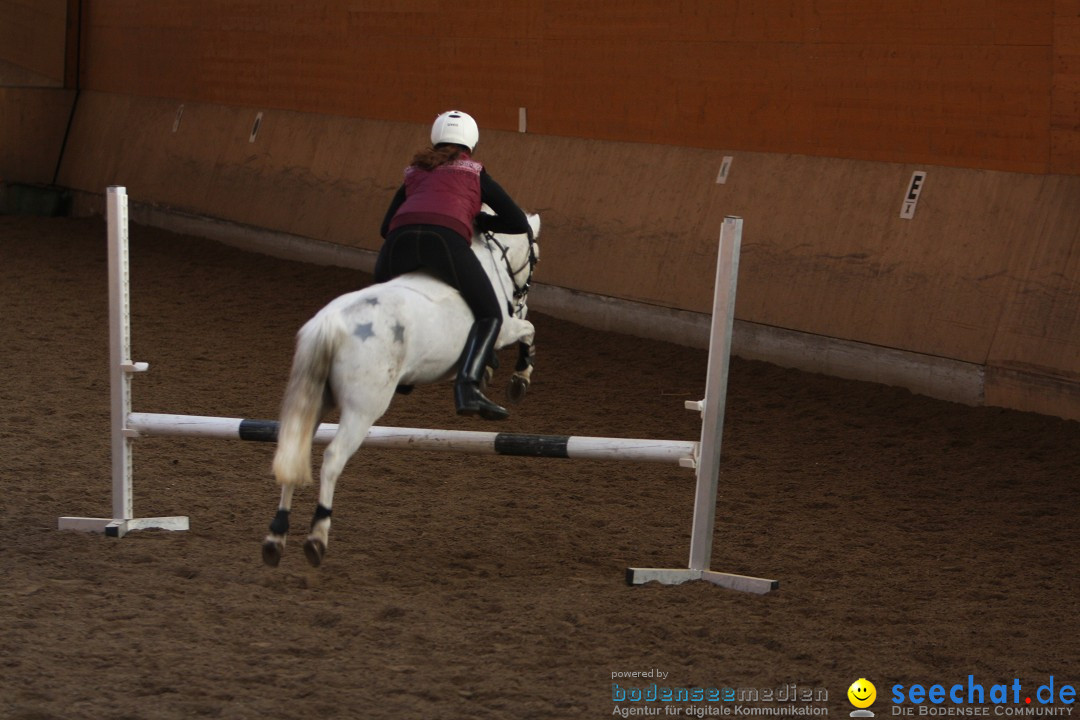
column 274, row 545
column 520, row 380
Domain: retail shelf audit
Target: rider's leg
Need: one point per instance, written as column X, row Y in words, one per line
column 448, row 256
column 468, row 397
column 475, row 287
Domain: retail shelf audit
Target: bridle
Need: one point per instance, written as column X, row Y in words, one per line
column 521, row 291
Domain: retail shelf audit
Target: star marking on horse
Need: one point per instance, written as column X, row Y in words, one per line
column 364, row 331
column 399, row 333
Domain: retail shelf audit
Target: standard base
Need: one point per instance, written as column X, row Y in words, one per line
column 119, row 528
column 742, row 583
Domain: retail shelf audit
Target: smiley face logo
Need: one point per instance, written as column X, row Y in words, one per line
column 862, row 693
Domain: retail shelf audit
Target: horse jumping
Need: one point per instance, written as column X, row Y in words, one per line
column 359, row 349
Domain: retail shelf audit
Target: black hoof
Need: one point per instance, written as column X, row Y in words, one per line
column 271, row 552
column 516, row 390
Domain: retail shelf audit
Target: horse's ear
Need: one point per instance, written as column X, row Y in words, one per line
column 534, row 223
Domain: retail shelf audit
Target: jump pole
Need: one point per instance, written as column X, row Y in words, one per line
column 678, row 452
column 712, row 427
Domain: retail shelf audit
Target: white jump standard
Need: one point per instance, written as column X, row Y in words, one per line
column 120, row 369
column 712, row 428
column 703, row 455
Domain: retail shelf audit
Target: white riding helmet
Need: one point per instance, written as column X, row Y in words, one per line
column 455, row 127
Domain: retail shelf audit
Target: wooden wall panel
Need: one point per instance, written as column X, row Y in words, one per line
column 32, row 42
column 827, row 252
column 1039, row 329
column 1065, row 105
column 931, row 22
column 316, row 176
column 918, row 22
column 962, row 83
column 857, row 101
column 32, row 124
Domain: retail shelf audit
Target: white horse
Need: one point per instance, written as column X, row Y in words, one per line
column 355, row 352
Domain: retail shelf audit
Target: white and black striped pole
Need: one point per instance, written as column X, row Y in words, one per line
column 573, row 447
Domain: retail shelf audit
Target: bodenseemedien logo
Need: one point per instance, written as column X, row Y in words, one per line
column 657, row 697
column 862, row 694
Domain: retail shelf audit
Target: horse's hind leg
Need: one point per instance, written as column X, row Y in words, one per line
column 350, row 435
column 274, row 544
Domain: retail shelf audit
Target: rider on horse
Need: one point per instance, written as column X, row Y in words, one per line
column 429, row 226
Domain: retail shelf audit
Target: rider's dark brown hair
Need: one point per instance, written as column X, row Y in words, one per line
column 432, row 157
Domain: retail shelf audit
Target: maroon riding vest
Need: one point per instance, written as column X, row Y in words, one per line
column 448, row 196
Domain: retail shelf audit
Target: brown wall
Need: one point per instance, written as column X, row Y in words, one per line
column 964, row 83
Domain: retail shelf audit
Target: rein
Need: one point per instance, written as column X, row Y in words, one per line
column 520, row 291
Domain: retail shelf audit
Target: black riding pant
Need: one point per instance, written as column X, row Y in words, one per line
column 446, row 255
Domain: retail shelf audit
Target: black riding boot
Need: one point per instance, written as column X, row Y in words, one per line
column 467, row 395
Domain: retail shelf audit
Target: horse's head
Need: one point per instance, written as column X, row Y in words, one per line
column 534, row 246
column 523, row 258
column 520, row 253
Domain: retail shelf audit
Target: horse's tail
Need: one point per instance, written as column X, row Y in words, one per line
column 304, row 402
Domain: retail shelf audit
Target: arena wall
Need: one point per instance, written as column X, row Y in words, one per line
column 614, row 121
